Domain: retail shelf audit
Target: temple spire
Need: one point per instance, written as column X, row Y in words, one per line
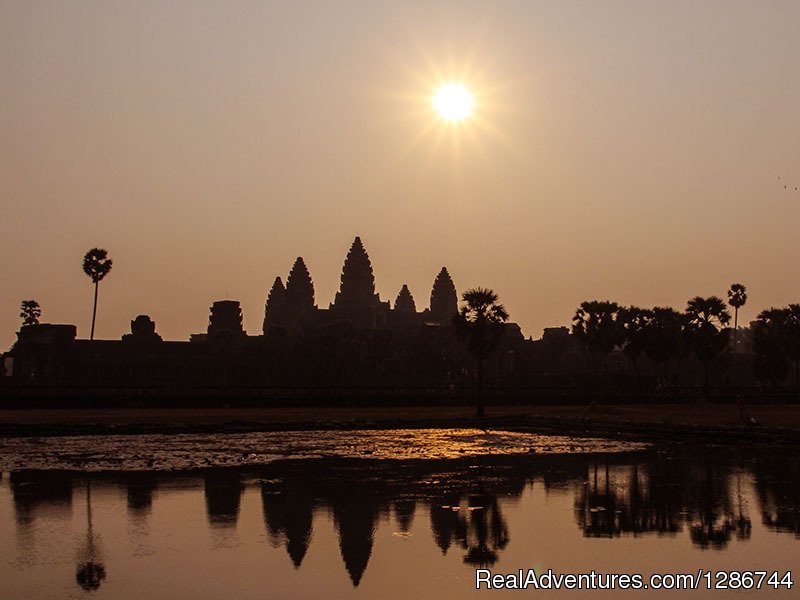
column 275, row 306
column 299, row 289
column 444, row 300
column 405, row 301
column 358, row 281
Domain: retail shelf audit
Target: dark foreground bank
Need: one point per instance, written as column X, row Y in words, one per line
column 706, row 423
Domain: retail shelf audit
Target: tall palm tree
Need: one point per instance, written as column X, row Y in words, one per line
column 96, row 265
column 479, row 323
column 737, row 297
column 707, row 329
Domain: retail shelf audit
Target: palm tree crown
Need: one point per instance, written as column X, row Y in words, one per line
column 705, row 312
column 737, row 296
column 96, row 264
column 596, row 324
column 480, row 321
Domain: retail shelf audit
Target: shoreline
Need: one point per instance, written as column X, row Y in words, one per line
column 699, row 423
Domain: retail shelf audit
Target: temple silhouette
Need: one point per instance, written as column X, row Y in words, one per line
column 292, row 306
column 362, row 346
column 358, row 340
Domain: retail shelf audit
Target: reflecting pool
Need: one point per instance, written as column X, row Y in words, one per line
column 376, row 527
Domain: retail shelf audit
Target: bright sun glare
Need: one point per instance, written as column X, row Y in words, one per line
column 453, row 101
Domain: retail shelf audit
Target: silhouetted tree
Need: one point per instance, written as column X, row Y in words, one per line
column 663, row 336
column 30, row 311
column 480, row 324
column 596, row 325
column 634, row 321
column 776, row 342
column 769, row 330
column 96, row 265
column 791, row 339
column 706, row 329
column 737, row 297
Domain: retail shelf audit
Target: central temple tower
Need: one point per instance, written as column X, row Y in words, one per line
column 356, row 300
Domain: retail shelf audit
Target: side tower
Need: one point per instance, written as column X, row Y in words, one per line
column 405, row 301
column 225, row 319
column 299, row 297
column 275, row 307
column 404, row 317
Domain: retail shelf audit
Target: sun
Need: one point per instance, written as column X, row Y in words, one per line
column 453, row 102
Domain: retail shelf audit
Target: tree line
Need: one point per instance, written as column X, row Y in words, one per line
column 660, row 333
column 663, row 333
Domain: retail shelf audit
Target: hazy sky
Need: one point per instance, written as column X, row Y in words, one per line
column 622, row 150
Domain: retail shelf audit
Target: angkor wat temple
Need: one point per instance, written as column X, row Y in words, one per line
column 359, row 346
column 358, row 340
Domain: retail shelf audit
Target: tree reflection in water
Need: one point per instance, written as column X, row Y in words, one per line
column 777, row 481
column 90, row 571
column 662, row 496
column 486, row 531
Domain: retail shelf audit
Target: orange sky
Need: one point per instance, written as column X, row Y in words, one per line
column 620, row 150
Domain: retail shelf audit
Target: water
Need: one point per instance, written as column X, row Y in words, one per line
column 356, row 524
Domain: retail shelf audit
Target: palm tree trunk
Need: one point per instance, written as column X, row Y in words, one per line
column 735, row 329
column 479, row 412
column 94, row 309
column 705, row 378
column 89, row 504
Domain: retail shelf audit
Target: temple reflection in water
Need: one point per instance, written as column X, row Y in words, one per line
column 708, row 500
